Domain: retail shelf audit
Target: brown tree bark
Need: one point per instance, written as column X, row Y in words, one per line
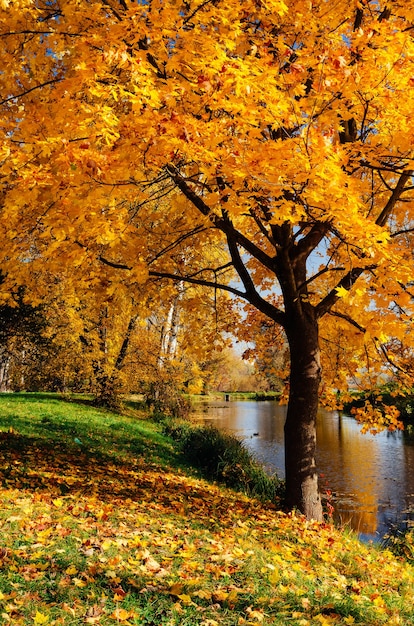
column 302, row 491
column 107, row 388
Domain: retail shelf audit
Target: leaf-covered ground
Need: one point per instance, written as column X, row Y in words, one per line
column 94, row 532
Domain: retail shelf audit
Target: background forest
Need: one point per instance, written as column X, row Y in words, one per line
column 123, row 347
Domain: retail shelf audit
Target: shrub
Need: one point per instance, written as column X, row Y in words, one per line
column 401, row 543
column 177, row 429
column 223, row 457
column 165, row 399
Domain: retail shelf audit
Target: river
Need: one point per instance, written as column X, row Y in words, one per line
column 370, row 477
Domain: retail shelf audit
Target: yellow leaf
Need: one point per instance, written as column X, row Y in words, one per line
column 121, row 615
column 324, row 620
column 42, row 566
column 379, row 602
column 176, row 589
column 152, row 565
column 341, row 292
column 220, row 596
column 185, row 598
column 255, row 614
column 306, row 603
column 274, row 577
column 118, row 598
column 232, row 597
column 40, row 618
column 203, row 594
column 71, row 570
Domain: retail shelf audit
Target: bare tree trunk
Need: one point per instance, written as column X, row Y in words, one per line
column 107, row 388
column 302, row 491
column 125, row 344
column 170, row 331
column 4, row 373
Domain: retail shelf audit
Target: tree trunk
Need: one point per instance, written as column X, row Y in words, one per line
column 107, row 384
column 106, row 393
column 302, row 491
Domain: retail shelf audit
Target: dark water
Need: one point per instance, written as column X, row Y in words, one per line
column 371, row 477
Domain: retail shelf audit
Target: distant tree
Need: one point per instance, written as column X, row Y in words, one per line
column 22, row 343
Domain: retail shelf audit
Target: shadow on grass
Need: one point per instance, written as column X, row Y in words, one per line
column 85, row 429
column 39, row 465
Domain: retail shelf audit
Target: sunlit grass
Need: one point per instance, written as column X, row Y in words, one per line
column 113, row 530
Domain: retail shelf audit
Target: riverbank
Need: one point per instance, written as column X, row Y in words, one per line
column 405, row 404
column 228, row 396
column 103, row 523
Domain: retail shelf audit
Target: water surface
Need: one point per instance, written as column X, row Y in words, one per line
column 371, row 478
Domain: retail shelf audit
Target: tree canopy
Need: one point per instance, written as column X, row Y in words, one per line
column 275, row 135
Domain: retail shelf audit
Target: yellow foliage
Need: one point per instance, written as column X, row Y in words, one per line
column 263, row 149
column 375, row 419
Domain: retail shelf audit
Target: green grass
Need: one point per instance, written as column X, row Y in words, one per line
column 117, row 529
column 80, row 428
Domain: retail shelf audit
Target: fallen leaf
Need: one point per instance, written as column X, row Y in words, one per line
column 121, row 615
column 152, row 565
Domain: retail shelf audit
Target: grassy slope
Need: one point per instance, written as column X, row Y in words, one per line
column 101, row 524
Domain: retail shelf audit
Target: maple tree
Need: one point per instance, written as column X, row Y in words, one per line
column 275, row 134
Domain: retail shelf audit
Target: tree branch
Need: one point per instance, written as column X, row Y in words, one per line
column 318, row 274
column 352, row 276
column 309, row 242
column 402, row 232
column 40, row 32
column 348, row 319
column 25, row 93
column 125, row 344
column 195, row 231
column 395, row 196
column 196, row 10
column 383, row 350
column 117, row 266
column 191, row 195
column 256, row 300
column 346, row 282
column 240, row 266
column 197, row 281
column 248, row 245
column 225, row 226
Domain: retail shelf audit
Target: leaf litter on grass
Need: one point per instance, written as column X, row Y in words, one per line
column 92, row 539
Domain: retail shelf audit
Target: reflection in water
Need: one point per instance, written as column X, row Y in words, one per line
column 371, row 477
